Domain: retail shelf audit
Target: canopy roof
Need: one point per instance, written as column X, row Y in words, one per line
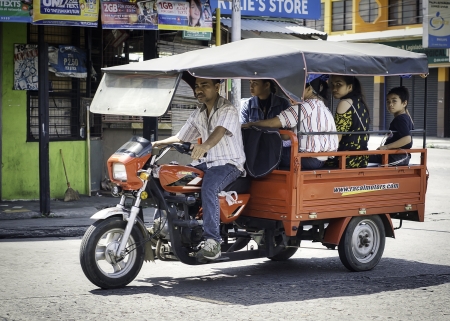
column 285, row 61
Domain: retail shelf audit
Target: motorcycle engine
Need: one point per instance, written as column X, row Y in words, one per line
column 160, row 224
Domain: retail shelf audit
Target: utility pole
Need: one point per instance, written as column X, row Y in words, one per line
column 236, row 36
column 44, row 164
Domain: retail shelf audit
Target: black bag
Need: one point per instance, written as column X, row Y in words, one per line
column 262, row 147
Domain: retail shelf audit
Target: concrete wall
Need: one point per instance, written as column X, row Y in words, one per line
column 20, row 168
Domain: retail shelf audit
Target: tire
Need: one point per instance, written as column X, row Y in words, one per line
column 287, row 252
column 362, row 244
column 105, row 235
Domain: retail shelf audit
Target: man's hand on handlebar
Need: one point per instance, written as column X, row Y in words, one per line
column 199, row 151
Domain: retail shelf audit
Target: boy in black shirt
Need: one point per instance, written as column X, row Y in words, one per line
column 402, row 124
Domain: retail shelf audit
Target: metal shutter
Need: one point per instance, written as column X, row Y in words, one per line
column 245, row 88
column 416, row 87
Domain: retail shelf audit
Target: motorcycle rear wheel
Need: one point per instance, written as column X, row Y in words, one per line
column 103, row 237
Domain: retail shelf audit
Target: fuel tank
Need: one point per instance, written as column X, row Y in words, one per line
column 180, row 179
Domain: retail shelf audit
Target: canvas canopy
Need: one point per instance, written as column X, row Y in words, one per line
column 124, row 91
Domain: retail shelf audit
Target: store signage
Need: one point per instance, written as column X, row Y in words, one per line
column 436, row 24
column 15, row 11
column 66, row 12
column 196, row 35
column 435, row 56
column 297, row 9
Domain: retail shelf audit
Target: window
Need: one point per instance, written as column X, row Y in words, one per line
column 66, row 117
column 405, row 12
column 316, row 24
column 368, row 10
column 342, row 17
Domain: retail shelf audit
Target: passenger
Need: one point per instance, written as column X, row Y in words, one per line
column 396, row 103
column 351, row 115
column 217, row 124
column 315, row 117
column 264, row 104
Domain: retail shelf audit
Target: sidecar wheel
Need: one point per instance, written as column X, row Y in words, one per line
column 362, row 244
column 102, row 237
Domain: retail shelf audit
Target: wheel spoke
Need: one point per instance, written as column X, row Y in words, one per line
column 100, row 253
column 119, row 266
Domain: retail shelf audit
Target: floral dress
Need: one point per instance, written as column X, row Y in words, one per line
column 356, row 118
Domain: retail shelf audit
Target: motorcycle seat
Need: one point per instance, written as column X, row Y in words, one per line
column 240, row 186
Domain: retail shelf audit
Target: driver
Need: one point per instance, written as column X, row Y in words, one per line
column 216, row 122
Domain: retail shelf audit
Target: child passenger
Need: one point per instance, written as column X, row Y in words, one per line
column 396, row 103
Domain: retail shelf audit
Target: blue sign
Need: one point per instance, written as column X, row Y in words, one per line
column 298, row 9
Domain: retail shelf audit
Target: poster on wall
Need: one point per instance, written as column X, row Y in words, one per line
column 192, row 15
column 436, row 24
column 25, row 67
column 118, row 14
column 64, row 61
column 15, row 11
column 66, row 12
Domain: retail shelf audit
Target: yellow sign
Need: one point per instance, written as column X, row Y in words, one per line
column 66, row 12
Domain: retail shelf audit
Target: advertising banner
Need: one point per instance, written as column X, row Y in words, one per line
column 436, row 26
column 196, row 35
column 66, row 12
column 193, row 15
column 67, row 61
column 64, row 61
column 118, row 14
column 25, row 67
column 297, row 9
column 15, row 11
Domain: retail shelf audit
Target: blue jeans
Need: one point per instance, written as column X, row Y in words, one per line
column 215, row 180
column 307, row 162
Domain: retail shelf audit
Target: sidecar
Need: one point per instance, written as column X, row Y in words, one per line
column 351, row 209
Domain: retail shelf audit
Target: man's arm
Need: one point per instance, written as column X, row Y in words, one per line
column 273, row 123
column 243, row 115
column 397, row 144
column 199, row 150
column 167, row 141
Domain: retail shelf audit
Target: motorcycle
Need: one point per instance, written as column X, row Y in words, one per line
column 115, row 247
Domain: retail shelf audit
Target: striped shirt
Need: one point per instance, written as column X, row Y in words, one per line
column 230, row 148
column 315, row 117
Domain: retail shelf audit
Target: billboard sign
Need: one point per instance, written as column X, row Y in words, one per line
column 15, row 11
column 436, row 24
column 296, row 9
column 66, row 12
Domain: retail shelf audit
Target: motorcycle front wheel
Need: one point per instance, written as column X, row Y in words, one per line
column 97, row 258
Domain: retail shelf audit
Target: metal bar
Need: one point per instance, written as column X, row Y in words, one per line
column 414, row 131
column 150, row 124
column 218, row 32
column 425, row 114
column 1, row 111
column 44, row 166
column 236, row 36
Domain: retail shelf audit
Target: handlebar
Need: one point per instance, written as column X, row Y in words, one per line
column 183, row 148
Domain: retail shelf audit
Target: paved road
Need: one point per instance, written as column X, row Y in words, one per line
column 42, row 279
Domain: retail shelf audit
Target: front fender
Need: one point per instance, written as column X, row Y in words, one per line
column 110, row 211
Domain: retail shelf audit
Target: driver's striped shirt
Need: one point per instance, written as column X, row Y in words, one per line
column 230, row 148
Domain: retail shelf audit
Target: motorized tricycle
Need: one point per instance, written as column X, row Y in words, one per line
column 351, row 209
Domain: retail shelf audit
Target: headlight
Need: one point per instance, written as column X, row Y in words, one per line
column 119, row 172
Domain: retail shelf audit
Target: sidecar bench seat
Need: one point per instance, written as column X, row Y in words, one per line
column 240, row 186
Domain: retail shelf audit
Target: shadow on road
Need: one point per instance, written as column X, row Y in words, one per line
column 295, row 280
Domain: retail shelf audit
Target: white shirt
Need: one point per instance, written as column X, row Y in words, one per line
column 315, row 117
column 230, row 148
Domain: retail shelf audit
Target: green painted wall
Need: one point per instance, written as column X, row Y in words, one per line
column 20, row 170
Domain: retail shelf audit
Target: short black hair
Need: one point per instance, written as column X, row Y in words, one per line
column 273, row 89
column 402, row 92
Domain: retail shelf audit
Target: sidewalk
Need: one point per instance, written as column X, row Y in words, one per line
column 22, row 219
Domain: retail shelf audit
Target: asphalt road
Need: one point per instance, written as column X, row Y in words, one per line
column 42, row 279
